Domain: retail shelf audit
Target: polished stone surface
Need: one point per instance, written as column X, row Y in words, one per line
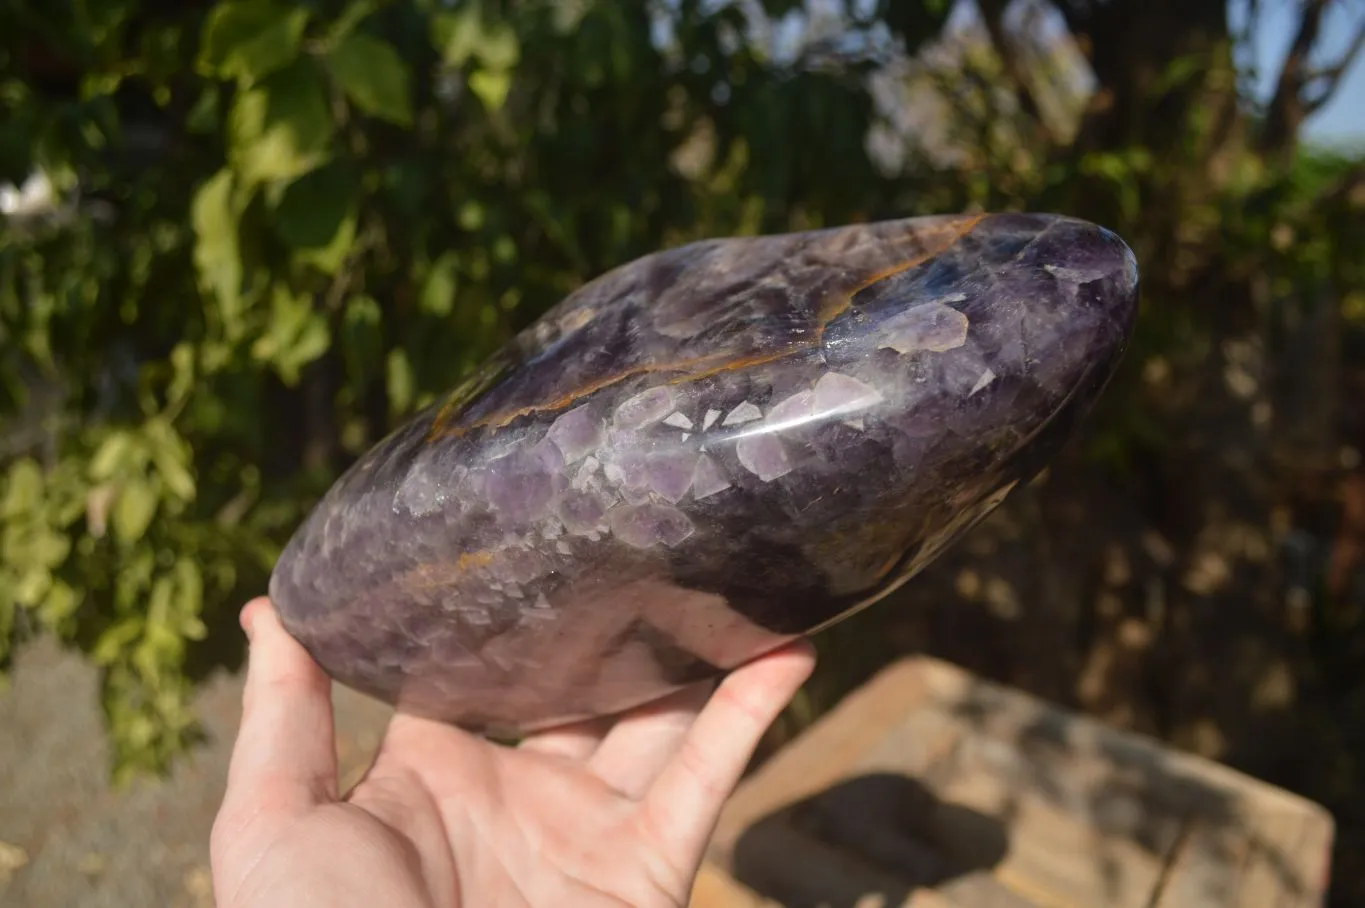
column 700, row 455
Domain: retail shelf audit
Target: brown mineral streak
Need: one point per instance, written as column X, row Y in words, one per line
column 430, row 576
column 834, row 306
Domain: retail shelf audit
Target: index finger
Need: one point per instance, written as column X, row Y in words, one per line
column 681, row 808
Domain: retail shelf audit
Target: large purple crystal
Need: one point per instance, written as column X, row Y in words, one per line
column 700, row 455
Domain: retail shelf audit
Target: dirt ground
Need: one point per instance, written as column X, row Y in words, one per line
column 68, row 840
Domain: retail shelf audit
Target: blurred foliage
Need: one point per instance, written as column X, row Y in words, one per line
column 278, row 227
column 246, row 238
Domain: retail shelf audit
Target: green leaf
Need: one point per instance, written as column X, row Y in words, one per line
column 189, row 599
column 182, row 372
column 23, row 488
column 67, row 493
column 110, row 645
column 250, row 39
column 49, row 548
column 202, row 118
column 311, row 342
column 373, row 76
column 157, row 644
column 401, row 382
column 172, row 457
column 331, row 257
column 1353, row 307
column 499, row 49
column 60, row 604
column 462, row 34
column 456, row 35
column 316, row 216
column 134, row 509
column 296, row 334
column 471, row 215
column 217, row 256
column 438, row 290
column 33, row 586
column 361, row 338
column 356, row 11
column 491, row 87
column 283, row 127
column 117, row 453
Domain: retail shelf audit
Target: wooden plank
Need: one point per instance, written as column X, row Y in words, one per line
column 1055, row 855
column 1287, row 854
column 980, row 889
column 1060, row 861
column 931, row 788
column 1255, row 868
column 714, row 888
column 1253, row 844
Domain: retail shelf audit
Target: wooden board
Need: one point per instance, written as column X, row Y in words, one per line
column 930, row 788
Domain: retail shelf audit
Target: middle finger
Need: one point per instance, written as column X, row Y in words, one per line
column 643, row 740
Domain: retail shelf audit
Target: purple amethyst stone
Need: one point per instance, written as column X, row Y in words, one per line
column 701, row 455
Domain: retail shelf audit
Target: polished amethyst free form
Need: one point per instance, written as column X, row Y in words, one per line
column 701, row 455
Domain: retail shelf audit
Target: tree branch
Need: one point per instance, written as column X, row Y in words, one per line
column 1333, row 74
column 1288, row 108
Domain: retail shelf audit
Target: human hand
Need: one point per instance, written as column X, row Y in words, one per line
column 584, row 815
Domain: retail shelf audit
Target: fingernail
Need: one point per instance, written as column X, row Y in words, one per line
column 244, row 619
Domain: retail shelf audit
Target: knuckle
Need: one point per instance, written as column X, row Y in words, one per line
column 739, row 702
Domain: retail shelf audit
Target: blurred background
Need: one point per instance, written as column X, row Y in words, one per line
column 240, row 241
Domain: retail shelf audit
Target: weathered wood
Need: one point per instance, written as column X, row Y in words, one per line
column 716, row 889
column 931, row 788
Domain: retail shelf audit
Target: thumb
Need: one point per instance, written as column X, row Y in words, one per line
column 285, row 755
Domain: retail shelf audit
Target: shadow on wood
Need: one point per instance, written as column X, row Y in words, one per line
column 879, row 835
column 1213, row 836
column 928, row 787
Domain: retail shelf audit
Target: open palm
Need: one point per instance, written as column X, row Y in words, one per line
column 594, row 814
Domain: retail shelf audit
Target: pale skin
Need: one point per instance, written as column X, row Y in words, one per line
column 593, row 814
